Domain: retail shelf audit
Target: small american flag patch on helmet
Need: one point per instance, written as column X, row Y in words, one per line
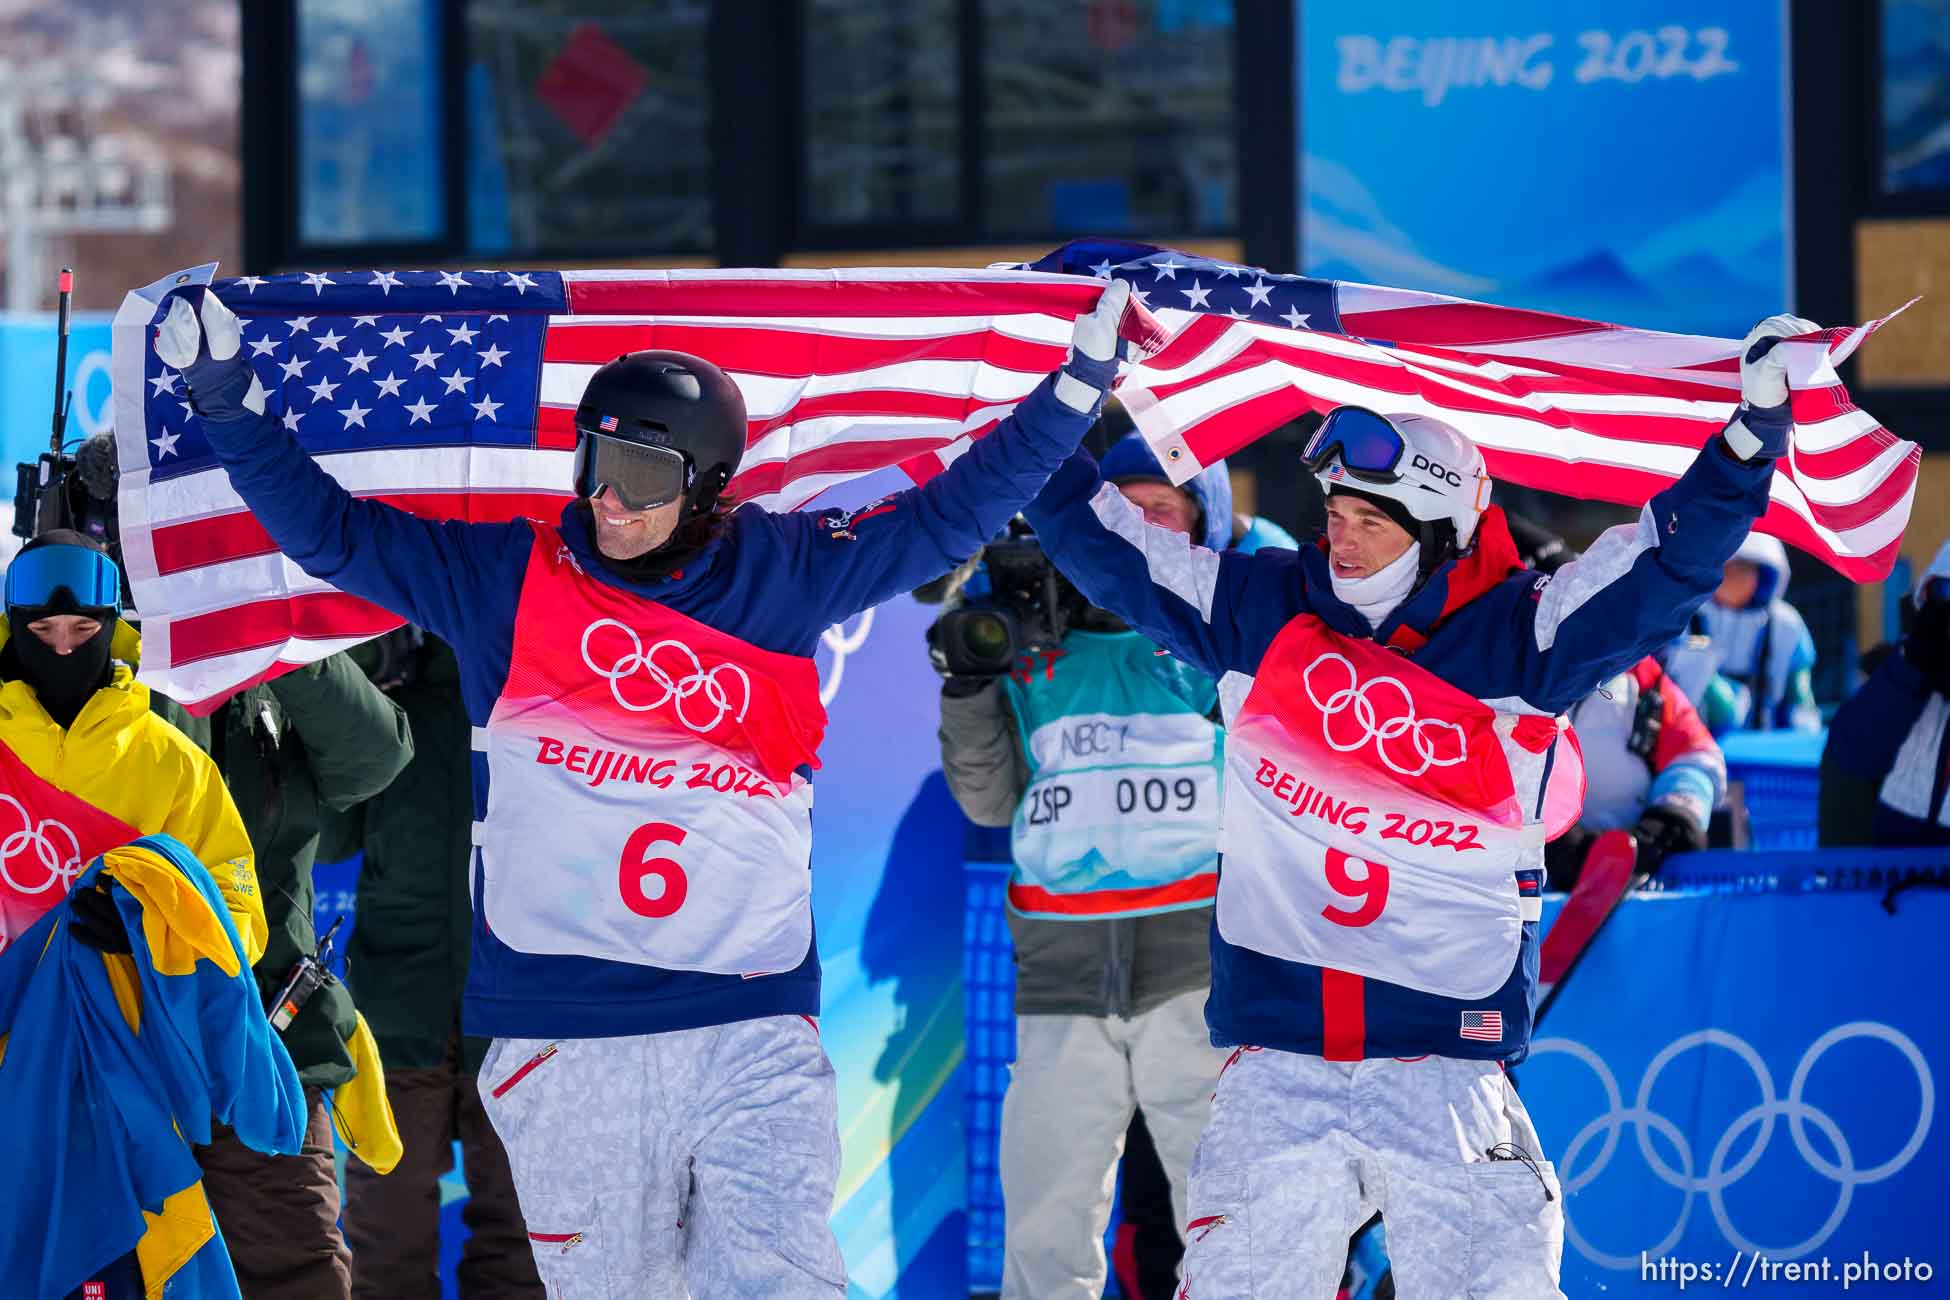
column 607, row 424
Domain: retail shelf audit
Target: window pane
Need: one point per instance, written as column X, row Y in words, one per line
column 1915, row 95
column 369, row 137
column 601, row 118
column 1108, row 117
column 883, row 103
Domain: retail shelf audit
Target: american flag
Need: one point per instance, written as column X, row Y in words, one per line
column 1484, row 1026
column 451, row 394
column 1595, row 411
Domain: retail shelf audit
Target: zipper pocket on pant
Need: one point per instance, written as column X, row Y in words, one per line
column 526, row 1069
column 566, row 1240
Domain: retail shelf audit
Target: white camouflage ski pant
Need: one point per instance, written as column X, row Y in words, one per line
column 700, row 1162
column 1300, row 1151
column 1071, row 1091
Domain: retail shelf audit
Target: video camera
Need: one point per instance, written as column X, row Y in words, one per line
column 49, row 491
column 1026, row 610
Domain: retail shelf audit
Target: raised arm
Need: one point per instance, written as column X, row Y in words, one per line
column 1219, row 611
column 1636, row 588
column 847, row 561
column 434, row 574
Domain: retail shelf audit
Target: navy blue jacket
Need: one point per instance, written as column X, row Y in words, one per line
column 1514, row 639
column 1888, row 746
column 775, row 581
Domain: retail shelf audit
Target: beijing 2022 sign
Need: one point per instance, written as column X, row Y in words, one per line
column 1624, row 162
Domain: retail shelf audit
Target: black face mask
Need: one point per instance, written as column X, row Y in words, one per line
column 63, row 683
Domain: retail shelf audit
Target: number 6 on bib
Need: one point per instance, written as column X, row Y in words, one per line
column 637, row 866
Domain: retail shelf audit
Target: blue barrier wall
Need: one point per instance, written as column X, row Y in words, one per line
column 1744, row 1069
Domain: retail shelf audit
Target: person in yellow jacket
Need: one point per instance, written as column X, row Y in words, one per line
column 73, row 713
column 72, row 716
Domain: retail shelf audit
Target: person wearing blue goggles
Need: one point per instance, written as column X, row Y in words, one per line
column 63, row 597
column 1393, row 481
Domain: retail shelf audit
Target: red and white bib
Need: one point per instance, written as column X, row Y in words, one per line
column 1372, row 821
column 643, row 801
column 47, row 838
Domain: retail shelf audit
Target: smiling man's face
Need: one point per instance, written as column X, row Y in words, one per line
column 625, row 534
column 1361, row 538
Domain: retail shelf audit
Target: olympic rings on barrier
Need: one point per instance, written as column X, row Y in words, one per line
column 698, row 680
column 40, row 837
column 1719, row 1176
column 1355, row 695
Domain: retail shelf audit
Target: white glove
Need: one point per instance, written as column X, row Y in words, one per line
column 1763, row 366
column 203, row 345
column 1095, row 335
column 1094, row 342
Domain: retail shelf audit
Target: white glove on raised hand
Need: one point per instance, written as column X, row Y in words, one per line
column 1763, row 366
column 1094, row 350
column 1761, row 427
column 204, row 344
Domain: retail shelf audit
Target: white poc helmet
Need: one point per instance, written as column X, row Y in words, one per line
column 1424, row 463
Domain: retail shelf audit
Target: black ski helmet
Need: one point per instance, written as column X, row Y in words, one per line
column 675, row 400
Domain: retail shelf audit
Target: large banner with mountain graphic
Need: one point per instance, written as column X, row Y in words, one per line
column 1625, row 162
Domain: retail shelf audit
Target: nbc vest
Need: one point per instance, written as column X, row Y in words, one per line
column 1121, row 813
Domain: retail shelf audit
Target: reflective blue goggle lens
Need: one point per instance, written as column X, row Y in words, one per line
column 36, row 578
column 1364, row 442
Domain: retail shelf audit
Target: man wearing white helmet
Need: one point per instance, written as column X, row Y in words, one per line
column 1396, row 758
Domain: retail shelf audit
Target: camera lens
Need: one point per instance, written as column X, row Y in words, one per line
column 985, row 636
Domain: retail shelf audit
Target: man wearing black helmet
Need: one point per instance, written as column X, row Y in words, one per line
column 647, row 718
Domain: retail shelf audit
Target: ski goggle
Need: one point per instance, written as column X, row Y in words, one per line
column 1366, row 444
column 643, row 477
column 36, row 579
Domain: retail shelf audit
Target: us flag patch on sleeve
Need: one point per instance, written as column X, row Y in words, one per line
column 1483, row 1026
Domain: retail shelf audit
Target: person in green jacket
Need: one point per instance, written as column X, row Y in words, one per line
column 407, row 960
column 319, row 738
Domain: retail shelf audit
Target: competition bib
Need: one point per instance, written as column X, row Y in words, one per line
column 1134, row 798
column 1372, row 820
column 47, row 838
column 644, row 804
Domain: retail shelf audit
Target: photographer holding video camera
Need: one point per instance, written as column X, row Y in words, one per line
column 1102, row 755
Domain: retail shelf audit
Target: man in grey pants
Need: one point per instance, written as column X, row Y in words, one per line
column 1103, row 759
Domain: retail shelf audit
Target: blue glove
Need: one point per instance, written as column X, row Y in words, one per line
column 205, row 346
column 1759, row 429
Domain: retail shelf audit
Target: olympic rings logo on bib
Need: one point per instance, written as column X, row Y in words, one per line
column 695, row 680
column 39, row 838
column 1428, row 735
